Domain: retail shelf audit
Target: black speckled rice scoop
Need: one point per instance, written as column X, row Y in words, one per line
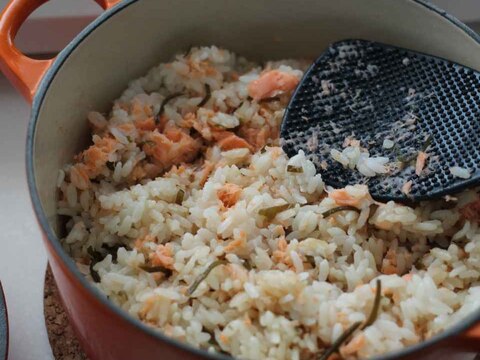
column 362, row 93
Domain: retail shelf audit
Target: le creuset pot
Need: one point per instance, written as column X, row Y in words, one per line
column 132, row 36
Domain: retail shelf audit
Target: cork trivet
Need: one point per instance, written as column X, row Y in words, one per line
column 63, row 341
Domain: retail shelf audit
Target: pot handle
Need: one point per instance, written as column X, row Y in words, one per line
column 23, row 72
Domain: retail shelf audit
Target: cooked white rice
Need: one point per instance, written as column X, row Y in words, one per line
column 292, row 282
column 460, row 172
column 353, row 157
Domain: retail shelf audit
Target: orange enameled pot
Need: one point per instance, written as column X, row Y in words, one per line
column 132, row 36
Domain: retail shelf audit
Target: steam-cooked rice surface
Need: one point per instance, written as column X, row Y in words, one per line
column 173, row 193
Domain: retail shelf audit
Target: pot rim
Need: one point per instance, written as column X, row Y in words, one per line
column 454, row 330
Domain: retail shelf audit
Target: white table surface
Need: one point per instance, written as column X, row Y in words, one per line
column 22, row 257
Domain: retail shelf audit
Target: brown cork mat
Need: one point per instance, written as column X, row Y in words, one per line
column 62, row 339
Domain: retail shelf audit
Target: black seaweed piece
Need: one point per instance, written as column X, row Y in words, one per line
column 208, row 95
column 294, row 169
column 156, row 269
column 339, row 342
column 273, row 211
column 339, row 208
column 165, row 102
column 204, row 275
column 376, row 306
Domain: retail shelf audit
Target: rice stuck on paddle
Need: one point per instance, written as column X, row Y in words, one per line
column 188, row 215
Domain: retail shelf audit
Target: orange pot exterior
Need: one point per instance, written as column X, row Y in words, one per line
column 103, row 333
column 23, row 72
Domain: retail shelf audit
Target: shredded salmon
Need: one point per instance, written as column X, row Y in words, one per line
column 237, row 272
column 280, row 255
column 106, row 143
column 128, row 127
column 96, row 156
column 227, row 140
column 152, row 170
column 238, row 245
column 353, row 346
column 234, row 245
column 219, row 135
column 279, row 230
column 124, row 106
column 471, row 211
column 389, row 264
column 385, row 291
column 205, row 130
column 407, row 187
column 168, row 330
column 272, row 83
column 136, row 108
column 420, row 164
column 142, row 240
column 138, row 173
column 200, row 68
column 229, row 194
column 396, row 297
column 246, row 320
column 205, row 172
column 176, row 170
column 145, row 125
column 342, row 318
column 163, row 256
column 334, row 357
column 351, row 141
column 161, row 122
column 149, row 303
column 79, row 177
column 282, row 244
column 173, row 147
column 173, row 133
column 224, row 339
column 234, row 142
column 257, row 138
column 343, row 198
column 188, row 120
column 389, row 269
